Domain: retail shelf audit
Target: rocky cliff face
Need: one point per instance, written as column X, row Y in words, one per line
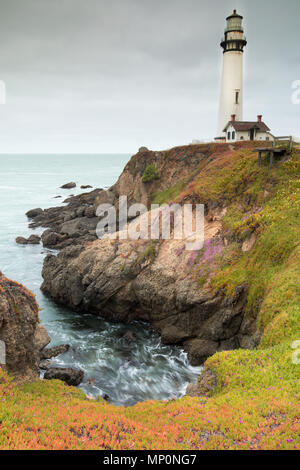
column 75, row 223
column 154, row 281
column 20, row 331
column 95, row 280
column 124, row 280
column 178, row 164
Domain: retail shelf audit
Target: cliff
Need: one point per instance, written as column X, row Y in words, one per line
column 20, row 331
column 158, row 280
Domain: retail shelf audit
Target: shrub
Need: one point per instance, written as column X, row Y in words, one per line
column 150, row 174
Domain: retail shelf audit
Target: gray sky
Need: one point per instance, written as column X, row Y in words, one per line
column 113, row 75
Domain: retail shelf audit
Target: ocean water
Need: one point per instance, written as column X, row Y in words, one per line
column 128, row 374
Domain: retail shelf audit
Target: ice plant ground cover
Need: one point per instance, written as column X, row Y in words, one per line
column 255, row 403
column 50, row 415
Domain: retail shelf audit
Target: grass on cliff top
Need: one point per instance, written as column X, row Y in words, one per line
column 255, row 404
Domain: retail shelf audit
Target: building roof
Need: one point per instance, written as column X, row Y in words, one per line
column 234, row 15
column 241, row 126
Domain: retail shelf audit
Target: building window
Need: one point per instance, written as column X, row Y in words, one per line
column 228, row 135
column 233, row 135
column 237, row 96
column 242, row 137
column 267, row 138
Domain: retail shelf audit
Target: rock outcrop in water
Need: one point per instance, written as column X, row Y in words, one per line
column 32, row 240
column 72, row 224
column 23, row 350
column 69, row 376
column 20, row 330
column 70, row 185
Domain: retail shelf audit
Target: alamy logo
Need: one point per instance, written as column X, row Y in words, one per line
column 296, row 354
column 296, row 92
column 165, row 222
column 2, row 353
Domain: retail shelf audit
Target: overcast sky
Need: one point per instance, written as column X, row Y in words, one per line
column 113, row 75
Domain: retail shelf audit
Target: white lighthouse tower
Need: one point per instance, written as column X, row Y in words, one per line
column 231, row 99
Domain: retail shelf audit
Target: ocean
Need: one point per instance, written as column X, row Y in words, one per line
column 146, row 370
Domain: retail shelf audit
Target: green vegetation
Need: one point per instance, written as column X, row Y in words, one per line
column 168, row 195
column 267, row 205
column 150, row 174
column 151, row 252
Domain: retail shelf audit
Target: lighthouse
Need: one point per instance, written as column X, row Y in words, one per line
column 231, row 98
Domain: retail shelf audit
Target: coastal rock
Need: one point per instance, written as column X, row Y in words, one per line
column 73, row 223
column 21, row 241
column 79, row 226
column 122, row 281
column 85, row 186
column 34, row 213
column 249, row 243
column 32, row 240
column 41, row 337
column 20, row 330
column 45, row 364
column 48, row 353
column 90, row 212
column 204, row 386
column 199, row 350
column 173, row 335
column 50, row 238
column 68, row 375
column 105, row 197
column 230, row 344
column 173, row 166
column 70, row 185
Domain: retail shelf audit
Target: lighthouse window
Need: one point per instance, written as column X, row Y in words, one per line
column 237, row 95
column 228, row 135
column 233, row 135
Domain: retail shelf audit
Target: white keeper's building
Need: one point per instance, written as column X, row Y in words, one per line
column 247, row 130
